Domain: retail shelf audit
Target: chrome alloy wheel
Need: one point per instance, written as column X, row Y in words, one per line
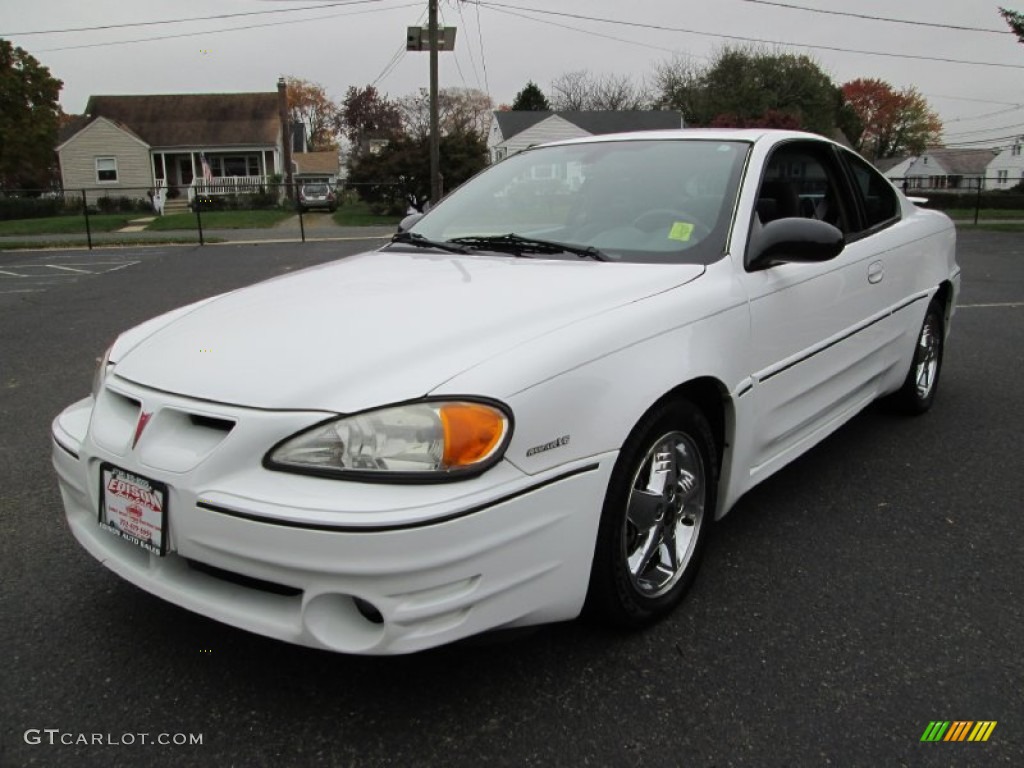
column 926, row 361
column 664, row 513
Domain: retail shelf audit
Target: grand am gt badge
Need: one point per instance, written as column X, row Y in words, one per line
column 556, row 443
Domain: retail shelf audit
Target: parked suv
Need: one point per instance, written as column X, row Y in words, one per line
column 312, row 196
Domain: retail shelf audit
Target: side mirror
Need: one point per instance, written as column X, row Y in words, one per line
column 783, row 241
column 406, row 224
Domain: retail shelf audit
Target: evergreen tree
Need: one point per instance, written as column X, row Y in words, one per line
column 531, row 98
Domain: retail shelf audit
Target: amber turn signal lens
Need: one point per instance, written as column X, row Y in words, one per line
column 472, row 431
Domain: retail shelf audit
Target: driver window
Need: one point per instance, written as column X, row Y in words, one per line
column 802, row 181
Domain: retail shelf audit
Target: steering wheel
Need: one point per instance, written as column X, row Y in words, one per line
column 657, row 218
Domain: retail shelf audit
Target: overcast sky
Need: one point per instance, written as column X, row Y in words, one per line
column 501, row 45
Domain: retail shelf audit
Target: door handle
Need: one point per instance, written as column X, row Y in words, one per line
column 876, row 271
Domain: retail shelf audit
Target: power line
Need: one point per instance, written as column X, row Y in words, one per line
column 1015, row 108
column 483, row 59
column 193, row 18
column 469, row 45
column 592, row 33
column 662, row 28
column 225, row 29
column 397, row 56
column 985, row 130
column 881, row 18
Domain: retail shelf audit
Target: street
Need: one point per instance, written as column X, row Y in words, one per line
column 871, row 587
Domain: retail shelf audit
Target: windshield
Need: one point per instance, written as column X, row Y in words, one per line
column 657, row 200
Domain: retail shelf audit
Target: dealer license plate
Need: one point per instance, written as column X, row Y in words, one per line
column 134, row 508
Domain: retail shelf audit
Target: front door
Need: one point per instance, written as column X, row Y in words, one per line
column 185, row 170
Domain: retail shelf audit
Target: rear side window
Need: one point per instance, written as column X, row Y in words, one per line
column 878, row 198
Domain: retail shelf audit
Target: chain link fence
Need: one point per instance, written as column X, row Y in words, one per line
column 978, row 199
column 214, row 212
column 200, row 213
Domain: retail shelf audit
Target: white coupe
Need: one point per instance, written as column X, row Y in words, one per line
column 533, row 402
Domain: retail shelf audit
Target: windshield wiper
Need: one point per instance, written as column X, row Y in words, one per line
column 522, row 245
column 412, row 238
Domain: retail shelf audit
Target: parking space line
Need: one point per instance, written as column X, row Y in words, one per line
column 11, row 274
column 69, row 269
column 995, row 305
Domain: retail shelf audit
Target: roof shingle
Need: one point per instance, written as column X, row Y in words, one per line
column 205, row 119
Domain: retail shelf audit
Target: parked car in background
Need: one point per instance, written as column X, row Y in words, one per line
column 317, row 197
column 533, row 402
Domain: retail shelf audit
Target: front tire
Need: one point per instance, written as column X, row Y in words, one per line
column 918, row 391
column 654, row 523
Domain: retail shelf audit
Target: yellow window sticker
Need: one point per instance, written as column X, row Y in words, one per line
column 681, row 230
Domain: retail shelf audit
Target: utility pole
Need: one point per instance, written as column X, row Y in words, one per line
column 438, row 39
column 435, row 140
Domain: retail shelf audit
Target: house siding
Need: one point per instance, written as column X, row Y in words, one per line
column 553, row 128
column 102, row 138
column 1009, row 160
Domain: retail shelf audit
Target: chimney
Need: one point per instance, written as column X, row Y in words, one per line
column 286, row 133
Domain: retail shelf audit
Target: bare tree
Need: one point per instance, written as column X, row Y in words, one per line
column 460, row 111
column 581, row 91
column 571, row 91
column 619, row 93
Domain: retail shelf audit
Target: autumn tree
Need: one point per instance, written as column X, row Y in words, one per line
column 1015, row 20
column 751, row 86
column 460, row 110
column 582, row 91
column 309, row 104
column 29, row 115
column 531, row 99
column 367, row 114
column 399, row 174
column 894, row 122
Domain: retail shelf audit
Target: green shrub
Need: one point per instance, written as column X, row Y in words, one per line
column 30, row 207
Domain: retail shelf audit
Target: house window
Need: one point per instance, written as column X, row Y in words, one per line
column 106, row 169
column 500, row 153
column 1002, row 177
column 1016, row 149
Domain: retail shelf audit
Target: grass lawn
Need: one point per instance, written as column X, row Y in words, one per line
column 63, row 225
column 359, row 215
column 14, row 245
column 1007, row 226
column 220, row 220
column 984, row 213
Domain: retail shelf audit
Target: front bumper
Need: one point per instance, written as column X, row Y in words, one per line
column 350, row 567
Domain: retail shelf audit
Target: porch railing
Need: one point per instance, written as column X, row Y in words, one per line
column 227, row 185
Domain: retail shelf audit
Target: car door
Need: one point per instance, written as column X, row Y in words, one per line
column 901, row 247
column 816, row 328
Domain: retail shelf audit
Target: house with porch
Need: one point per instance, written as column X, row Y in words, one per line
column 939, row 168
column 180, row 145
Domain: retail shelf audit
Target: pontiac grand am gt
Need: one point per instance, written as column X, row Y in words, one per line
column 533, row 402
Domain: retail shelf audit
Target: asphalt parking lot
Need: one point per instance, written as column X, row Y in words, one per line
column 873, row 586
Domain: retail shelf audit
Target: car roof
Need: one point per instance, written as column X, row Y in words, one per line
column 751, row 135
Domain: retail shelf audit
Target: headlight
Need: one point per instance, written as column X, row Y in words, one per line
column 428, row 441
column 101, row 373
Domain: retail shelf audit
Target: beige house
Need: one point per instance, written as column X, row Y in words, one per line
column 181, row 145
column 317, row 167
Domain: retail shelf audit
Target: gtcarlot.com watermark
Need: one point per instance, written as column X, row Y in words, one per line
column 55, row 737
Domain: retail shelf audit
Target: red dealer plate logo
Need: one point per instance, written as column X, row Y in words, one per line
column 134, row 508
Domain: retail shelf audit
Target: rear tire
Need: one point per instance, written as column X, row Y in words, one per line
column 919, row 388
column 654, row 523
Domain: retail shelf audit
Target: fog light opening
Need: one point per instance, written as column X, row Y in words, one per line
column 368, row 611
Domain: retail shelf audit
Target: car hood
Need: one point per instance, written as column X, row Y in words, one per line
column 374, row 329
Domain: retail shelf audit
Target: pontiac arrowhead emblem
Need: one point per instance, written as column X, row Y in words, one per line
column 143, row 421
